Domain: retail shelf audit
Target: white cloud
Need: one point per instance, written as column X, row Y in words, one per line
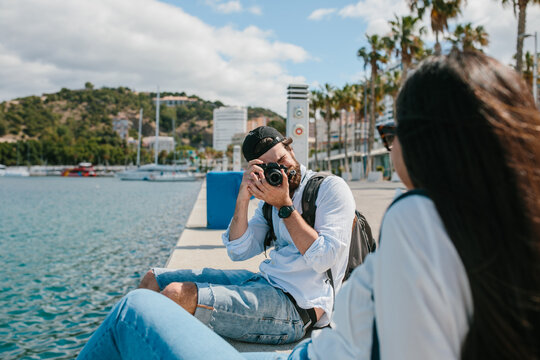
column 319, row 14
column 232, row 6
column 376, row 13
column 229, row 7
column 256, row 10
column 499, row 21
column 139, row 44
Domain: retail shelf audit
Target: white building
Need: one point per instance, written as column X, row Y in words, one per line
column 388, row 114
column 228, row 121
column 165, row 143
column 121, row 127
column 175, row 100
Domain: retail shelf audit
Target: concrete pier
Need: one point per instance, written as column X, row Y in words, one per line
column 199, row 247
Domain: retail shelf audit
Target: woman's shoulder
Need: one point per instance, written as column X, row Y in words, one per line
column 412, row 221
column 412, row 207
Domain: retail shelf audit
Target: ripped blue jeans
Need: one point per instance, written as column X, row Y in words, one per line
column 147, row 325
column 240, row 305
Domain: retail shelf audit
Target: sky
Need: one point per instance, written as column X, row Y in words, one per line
column 241, row 52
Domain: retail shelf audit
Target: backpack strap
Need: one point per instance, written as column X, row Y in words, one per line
column 309, row 196
column 270, row 235
column 420, row 192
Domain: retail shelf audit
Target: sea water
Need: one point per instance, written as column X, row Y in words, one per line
column 72, row 247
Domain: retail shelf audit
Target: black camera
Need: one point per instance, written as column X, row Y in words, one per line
column 272, row 173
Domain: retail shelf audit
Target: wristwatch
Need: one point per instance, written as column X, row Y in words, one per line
column 285, row 211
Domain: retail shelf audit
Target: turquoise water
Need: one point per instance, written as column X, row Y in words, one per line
column 71, row 247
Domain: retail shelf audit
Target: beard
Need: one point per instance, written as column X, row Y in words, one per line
column 294, row 180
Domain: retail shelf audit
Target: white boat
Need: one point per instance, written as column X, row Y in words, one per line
column 156, row 172
column 17, row 171
column 174, row 176
column 153, row 172
column 2, row 170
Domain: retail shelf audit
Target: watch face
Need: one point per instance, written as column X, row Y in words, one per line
column 285, row 211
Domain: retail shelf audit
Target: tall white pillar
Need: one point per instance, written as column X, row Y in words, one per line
column 224, row 163
column 298, row 121
column 236, row 158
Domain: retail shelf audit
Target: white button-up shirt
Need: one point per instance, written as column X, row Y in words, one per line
column 304, row 276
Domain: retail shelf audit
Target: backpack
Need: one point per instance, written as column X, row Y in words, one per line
column 362, row 242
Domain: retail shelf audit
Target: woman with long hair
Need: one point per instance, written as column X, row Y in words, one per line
column 468, row 135
column 457, row 272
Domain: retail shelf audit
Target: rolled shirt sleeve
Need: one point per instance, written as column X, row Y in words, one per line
column 333, row 222
column 251, row 243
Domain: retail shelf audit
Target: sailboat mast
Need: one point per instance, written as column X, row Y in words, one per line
column 174, row 140
column 139, row 140
column 156, row 142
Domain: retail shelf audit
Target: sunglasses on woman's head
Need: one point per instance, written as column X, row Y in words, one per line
column 387, row 133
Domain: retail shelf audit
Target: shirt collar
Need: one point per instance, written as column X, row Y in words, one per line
column 306, row 174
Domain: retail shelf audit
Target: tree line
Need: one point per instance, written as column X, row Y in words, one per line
column 72, row 126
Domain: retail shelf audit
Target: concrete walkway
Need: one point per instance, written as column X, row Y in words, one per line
column 199, row 247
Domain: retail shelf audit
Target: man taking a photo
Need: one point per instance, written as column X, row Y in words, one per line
column 291, row 292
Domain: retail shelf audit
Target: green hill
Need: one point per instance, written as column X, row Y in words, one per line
column 76, row 125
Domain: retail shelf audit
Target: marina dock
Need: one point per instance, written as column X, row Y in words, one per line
column 199, row 247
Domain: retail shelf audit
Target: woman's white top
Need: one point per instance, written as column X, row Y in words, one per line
column 415, row 286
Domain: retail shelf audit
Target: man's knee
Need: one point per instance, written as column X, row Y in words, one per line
column 182, row 293
column 149, row 282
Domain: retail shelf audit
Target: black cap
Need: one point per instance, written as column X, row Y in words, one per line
column 255, row 136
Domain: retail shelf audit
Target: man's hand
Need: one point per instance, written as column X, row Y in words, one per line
column 276, row 196
column 239, row 222
column 252, row 174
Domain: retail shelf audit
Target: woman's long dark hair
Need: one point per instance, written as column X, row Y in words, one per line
column 470, row 136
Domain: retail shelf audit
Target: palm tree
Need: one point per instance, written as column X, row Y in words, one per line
column 358, row 100
column 328, row 101
column 465, row 37
column 441, row 12
column 406, row 39
column 528, row 71
column 521, row 6
column 372, row 57
column 423, row 53
column 391, row 85
column 345, row 102
column 340, row 103
column 316, row 104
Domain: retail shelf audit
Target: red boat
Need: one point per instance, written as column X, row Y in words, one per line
column 84, row 169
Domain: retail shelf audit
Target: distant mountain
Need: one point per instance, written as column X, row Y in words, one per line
column 75, row 125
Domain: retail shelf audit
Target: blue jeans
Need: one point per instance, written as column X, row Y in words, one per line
column 147, row 325
column 240, row 305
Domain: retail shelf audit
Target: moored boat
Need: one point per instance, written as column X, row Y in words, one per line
column 172, row 176
column 153, row 172
column 84, row 169
column 16, row 171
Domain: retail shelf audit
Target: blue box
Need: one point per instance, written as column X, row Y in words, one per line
column 221, row 193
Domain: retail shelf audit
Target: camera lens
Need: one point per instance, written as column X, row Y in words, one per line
column 274, row 178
